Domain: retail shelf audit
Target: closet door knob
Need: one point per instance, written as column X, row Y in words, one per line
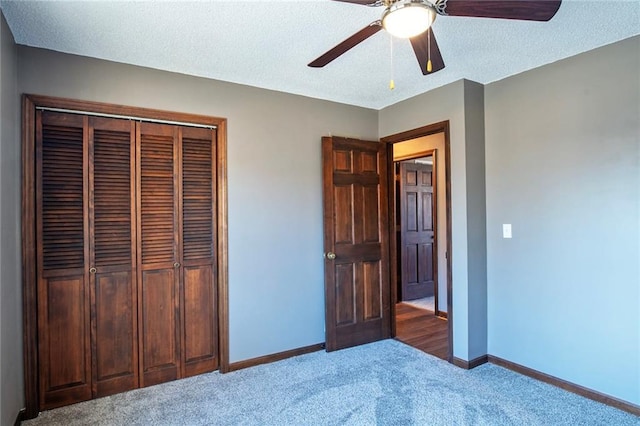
column 176, row 265
column 92, row 270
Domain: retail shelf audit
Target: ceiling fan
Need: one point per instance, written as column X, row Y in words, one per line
column 413, row 19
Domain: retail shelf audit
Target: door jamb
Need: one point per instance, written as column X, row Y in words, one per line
column 29, row 285
column 441, row 127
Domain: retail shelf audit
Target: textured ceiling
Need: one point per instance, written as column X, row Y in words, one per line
column 268, row 43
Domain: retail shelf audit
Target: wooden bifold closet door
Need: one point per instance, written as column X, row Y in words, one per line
column 112, row 256
column 177, row 300
column 125, row 249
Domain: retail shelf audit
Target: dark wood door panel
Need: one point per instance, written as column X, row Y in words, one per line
column 418, row 269
column 416, row 231
column 64, row 341
column 372, row 307
column 112, row 189
column 345, row 295
column 60, row 190
column 158, row 253
column 362, row 252
column 411, row 213
column 343, row 214
column 427, row 211
column 158, row 194
column 359, row 293
column 425, row 267
column 410, row 260
column 112, row 255
column 62, row 252
column 199, row 300
column 198, row 194
column 370, row 214
column 116, row 346
column 355, row 220
column 160, row 350
column 200, row 332
column 65, row 329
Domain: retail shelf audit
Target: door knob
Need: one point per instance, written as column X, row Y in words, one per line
column 93, row 270
column 331, row 255
column 176, row 265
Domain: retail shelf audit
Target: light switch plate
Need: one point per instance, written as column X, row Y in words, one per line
column 506, row 230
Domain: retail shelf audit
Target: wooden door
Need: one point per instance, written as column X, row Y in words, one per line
column 416, row 231
column 64, row 349
column 158, row 250
column 198, row 219
column 178, row 315
column 356, row 242
column 112, row 255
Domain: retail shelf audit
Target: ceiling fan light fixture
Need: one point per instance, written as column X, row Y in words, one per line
column 408, row 18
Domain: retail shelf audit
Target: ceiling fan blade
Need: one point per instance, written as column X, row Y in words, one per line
column 527, row 10
column 420, row 45
column 364, row 2
column 349, row 43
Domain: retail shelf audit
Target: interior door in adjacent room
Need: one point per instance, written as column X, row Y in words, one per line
column 417, row 207
column 356, row 242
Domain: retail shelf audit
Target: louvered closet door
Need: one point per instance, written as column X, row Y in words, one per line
column 158, row 260
column 199, row 299
column 126, row 255
column 112, row 255
column 64, row 352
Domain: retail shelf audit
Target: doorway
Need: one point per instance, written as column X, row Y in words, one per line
column 419, row 209
column 360, row 243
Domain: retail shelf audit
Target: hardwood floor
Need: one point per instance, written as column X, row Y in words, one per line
column 422, row 330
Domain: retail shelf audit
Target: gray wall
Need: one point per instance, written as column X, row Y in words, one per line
column 276, row 297
column 448, row 103
column 476, row 218
column 11, row 386
column 562, row 161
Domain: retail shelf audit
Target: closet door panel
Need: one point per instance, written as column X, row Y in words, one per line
column 198, row 253
column 200, row 335
column 160, row 358
column 159, row 317
column 65, row 357
column 63, row 296
column 114, row 356
column 65, row 326
column 114, row 334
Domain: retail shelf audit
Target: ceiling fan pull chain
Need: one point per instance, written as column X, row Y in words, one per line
column 392, row 84
column 429, row 65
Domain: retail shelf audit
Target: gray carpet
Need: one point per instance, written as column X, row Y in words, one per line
column 384, row 383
